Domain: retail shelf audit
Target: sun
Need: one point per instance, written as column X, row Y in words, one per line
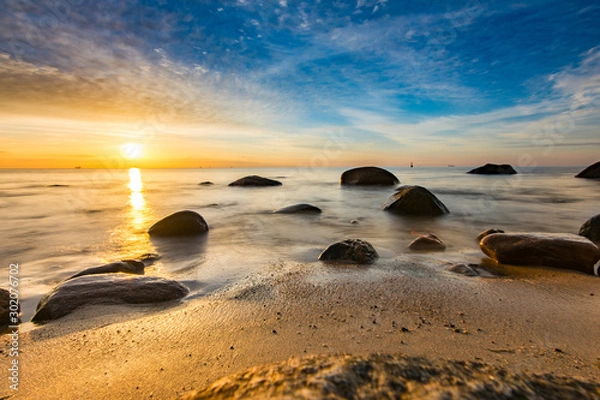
column 131, row 151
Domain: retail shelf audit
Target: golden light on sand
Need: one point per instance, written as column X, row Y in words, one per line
column 131, row 151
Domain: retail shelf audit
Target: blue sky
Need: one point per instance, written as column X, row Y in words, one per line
column 244, row 83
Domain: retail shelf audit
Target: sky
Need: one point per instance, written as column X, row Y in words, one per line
column 188, row 84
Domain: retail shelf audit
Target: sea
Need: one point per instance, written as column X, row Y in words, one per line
column 57, row 222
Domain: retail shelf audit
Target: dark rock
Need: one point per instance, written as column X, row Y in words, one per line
column 559, row 250
column 354, row 251
column 106, row 289
column 369, row 176
column 386, row 376
column 493, row 169
column 149, row 258
column 488, row 232
column 124, row 266
column 429, row 242
column 206, row 183
column 5, row 310
column 415, row 201
column 591, row 229
column 462, row 269
column 299, row 209
column 591, row 172
column 255, row 180
column 181, row 223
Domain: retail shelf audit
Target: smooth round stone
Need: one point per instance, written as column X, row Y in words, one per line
column 368, row 176
column 255, row 180
column 299, row 209
column 352, row 251
column 493, row 169
column 415, row 201
column 181, row 223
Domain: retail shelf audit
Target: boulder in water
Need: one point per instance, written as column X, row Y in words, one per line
column 558, row 250
column 488, row 232
column 123, row 266
column 591, row 172
column 299, row 209
column 493, row 169
column 369, row 176
column 106, row 289
column 351, row 251
column 255, row 180
column 591, row 229
column 181, row 223
column 429, row 242
column 415, row 201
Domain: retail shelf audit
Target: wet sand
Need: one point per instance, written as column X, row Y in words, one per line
column 533, row 319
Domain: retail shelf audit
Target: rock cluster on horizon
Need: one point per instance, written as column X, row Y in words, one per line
column 256, row 181
column 591, row 172
column 493, row 169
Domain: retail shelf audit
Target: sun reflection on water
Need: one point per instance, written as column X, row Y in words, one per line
column 130, row 237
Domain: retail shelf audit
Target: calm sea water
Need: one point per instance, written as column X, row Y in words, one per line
column 58, row 222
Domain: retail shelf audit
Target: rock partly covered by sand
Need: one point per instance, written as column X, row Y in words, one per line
column 463, row 269
column 429, row 242
column 591, row 229
column 5, row 309
column 591, row 172
column 106, row 289
column 558, row 250
column 493, row 169
column 415, row 201
column 488, row 232
column 123, row 266
column 181, row 223
column 255, row 180
column 352, row 251
column 302, row 208
column 383, row 376
column 369, row 176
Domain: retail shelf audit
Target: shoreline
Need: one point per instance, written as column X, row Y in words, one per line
column 537, row 320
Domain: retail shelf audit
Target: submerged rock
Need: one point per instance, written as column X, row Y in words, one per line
column 299, row 209
column 559, row 250
column 386, row 376
column 106, row 289
column 429, row 242
column 415, row 201
column 368, row 176
column 206, row 183
column 181, row 223
column 488, row 232
column 463, row 269
column 591, row 229
column 124, row 266
column 493, row 169
column 353, row 251
column 255, row 180
column 591, row 172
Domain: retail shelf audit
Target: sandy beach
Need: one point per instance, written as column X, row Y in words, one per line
column 536, row 320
